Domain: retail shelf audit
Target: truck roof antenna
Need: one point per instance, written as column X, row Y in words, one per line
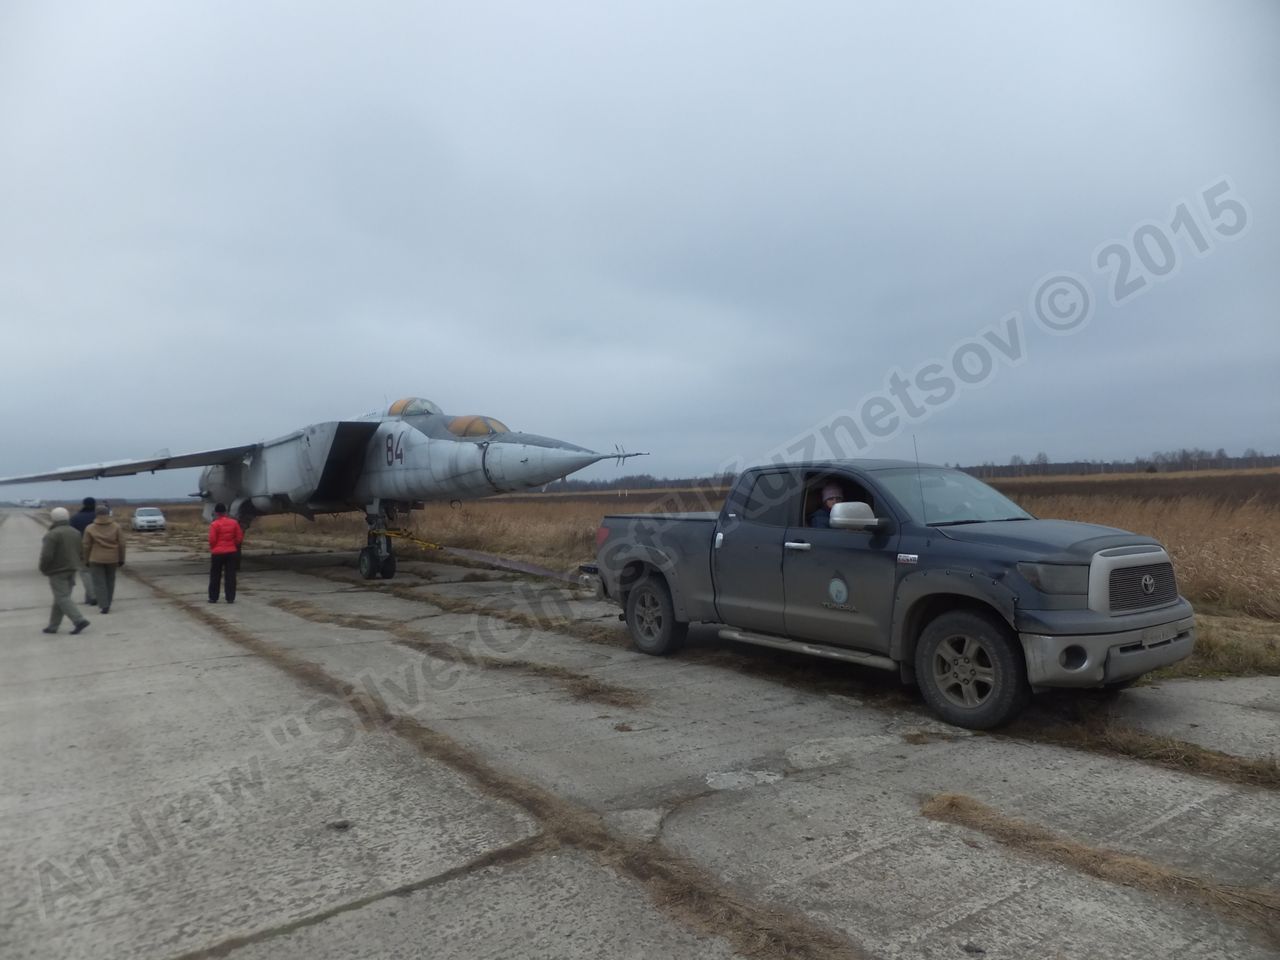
column 924, row 514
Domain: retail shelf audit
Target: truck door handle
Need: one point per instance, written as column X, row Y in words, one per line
column 797, row 545
column 719, row 540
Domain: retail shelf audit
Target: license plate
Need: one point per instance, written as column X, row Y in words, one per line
column 1159, row 634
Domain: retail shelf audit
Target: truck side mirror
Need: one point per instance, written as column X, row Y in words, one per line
column 854, row 515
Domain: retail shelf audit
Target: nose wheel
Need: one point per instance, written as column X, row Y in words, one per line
column 372, row 567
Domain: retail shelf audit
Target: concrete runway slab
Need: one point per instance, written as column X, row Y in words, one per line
column 554, row 906
column 1238, row 715
column 146, row 810
column 202, row 778
column 847, row 840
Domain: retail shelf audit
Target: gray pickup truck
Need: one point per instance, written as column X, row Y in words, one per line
column 914, row 568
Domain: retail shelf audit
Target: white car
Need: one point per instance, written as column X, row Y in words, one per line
column 148, row 518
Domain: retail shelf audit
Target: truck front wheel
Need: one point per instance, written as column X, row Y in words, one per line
column 970, row 670
column 651, row 617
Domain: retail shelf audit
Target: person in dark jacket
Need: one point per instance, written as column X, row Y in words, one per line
column 80, row 520
column 225, row 537
column 59, row 561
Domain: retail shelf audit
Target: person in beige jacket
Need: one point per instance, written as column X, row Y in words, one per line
column 103, row 546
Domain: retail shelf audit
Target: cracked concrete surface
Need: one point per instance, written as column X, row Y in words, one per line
column 123, row 748
column 558, row 905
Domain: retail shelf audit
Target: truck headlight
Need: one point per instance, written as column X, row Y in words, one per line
column 1059, row 578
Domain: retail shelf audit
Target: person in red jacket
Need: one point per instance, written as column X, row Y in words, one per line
column 225, row 537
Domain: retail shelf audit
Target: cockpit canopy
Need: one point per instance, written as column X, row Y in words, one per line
column 412, row 406
column 476, row 426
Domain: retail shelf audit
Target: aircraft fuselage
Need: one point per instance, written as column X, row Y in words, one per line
column 345, row 465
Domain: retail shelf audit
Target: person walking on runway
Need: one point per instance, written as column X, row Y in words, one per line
column 87, row 513
column 59, row 561
column 104, row 552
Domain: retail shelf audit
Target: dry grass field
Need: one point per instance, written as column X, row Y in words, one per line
column 1222, row 486
column 1223, row 532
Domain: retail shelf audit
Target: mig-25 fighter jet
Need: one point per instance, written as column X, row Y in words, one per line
column 384, row 463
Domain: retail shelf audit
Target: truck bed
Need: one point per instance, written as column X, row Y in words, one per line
column 667, row 541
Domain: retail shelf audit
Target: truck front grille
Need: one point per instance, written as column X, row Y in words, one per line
column 1132, row 590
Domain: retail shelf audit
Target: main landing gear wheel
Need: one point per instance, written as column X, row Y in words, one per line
column 970, row 670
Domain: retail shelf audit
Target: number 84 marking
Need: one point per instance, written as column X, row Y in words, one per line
column 395, row 448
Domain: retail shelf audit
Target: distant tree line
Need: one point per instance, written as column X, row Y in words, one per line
column 1039, row 464
column 1166, row 461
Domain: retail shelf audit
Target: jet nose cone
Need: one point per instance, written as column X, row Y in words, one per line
column 520, row 461
column 560, row 462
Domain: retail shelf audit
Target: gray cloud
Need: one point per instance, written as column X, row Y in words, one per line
column 692, row 230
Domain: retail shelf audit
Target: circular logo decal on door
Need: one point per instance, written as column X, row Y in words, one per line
column 838, row 591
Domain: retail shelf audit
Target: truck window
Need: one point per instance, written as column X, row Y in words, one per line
column 936, row 495
column 850, row 489
column 772, row 499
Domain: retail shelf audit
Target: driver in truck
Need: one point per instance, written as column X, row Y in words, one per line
column 832, row 494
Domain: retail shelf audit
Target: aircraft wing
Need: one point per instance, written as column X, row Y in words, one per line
column 125, row 468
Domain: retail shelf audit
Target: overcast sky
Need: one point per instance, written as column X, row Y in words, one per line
column 699, row 229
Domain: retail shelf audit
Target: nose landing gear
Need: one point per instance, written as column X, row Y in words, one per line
column 378, row 559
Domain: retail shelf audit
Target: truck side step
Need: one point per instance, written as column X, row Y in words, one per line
column 812, row 649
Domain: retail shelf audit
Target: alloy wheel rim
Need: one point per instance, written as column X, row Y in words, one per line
column 649, row 616
column 963, row 671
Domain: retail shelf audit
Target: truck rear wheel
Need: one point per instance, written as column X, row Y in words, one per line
column 970, row 670
column 651, row 618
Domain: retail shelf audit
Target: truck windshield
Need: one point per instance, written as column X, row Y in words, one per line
column 939, row 497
